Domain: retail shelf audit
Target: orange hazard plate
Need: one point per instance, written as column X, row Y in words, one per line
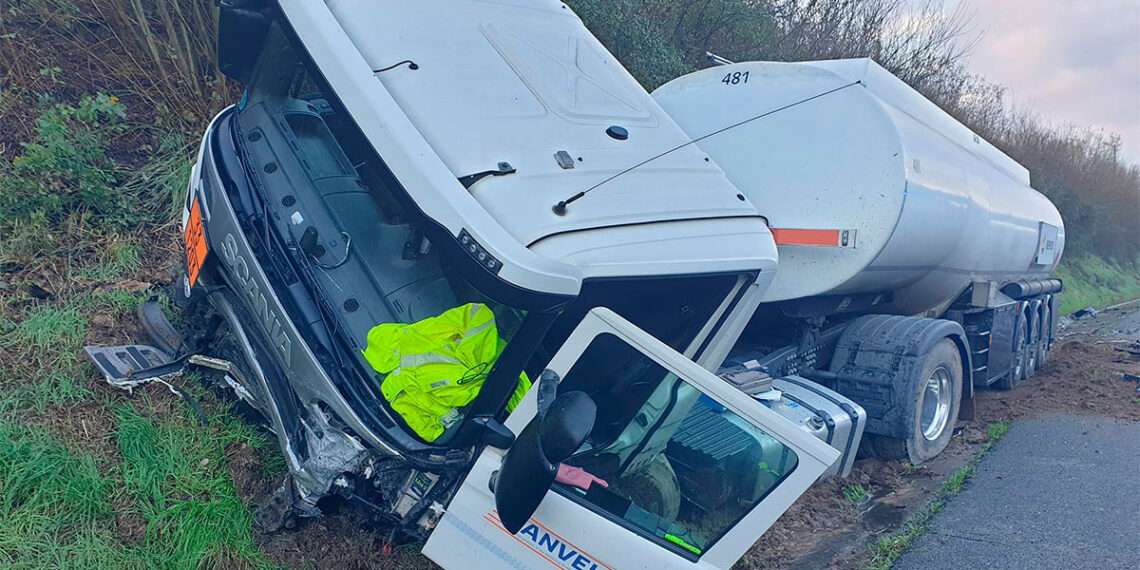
column 196, row 247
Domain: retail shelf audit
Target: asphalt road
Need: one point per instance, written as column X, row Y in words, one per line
column 1060, row 492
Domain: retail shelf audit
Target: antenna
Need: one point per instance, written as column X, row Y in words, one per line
column 560, row 207
column 714, row 59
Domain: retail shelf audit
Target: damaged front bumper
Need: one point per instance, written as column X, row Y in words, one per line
column 331, row 442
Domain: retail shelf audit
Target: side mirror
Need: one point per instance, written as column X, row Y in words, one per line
column 242, row 25
column 529, row 469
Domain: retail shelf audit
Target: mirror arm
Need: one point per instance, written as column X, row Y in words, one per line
column 493, row 432
column 547, row 390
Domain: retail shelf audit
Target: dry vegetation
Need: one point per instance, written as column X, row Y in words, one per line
column 1079, row 169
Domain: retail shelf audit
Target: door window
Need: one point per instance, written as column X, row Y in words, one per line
column 668, row 462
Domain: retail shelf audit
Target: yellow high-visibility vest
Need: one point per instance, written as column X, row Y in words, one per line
column 436, row 366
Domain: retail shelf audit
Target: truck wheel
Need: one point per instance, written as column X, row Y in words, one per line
column 1020, row 357
column 658, row 490
column 1030, row 349
column 937, row 393
column 1044, row 342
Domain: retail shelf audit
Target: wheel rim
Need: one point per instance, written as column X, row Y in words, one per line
column 1022, row 349
column 1030, row 353
column 936, row 400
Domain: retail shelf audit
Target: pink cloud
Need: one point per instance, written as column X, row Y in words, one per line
column 1072, row 61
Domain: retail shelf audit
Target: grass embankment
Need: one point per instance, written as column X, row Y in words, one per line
column 91, row 477
column 1091, row 281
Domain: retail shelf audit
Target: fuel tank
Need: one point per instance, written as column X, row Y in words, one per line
column 868, row 186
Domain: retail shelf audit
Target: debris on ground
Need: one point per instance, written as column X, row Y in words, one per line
column 825, row 530
column 1134, row 379
column 1083, row 313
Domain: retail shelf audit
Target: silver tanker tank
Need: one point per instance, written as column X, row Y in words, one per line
column 867, row 185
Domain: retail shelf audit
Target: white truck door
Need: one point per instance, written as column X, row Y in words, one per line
column 730, row 468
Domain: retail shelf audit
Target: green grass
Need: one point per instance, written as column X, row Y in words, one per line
column 120, row 258
column 55, row 510
column 59, row 508
column 171, row 472
column 49, row 329
column 46, row 369
column 888, row 549
column 54, row 389
column 1091, row 281
column 996, row 431
column 148, row 487
column 176, row 474
column 111, row 301
column 43, row 347
column 856, row 494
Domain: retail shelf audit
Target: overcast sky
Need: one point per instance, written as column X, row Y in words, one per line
column 1071, row 61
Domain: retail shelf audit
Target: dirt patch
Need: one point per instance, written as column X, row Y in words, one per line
column 339, row 541
column 818, row 515
column 824, row 530
column 130, row 526
column 1083, row 376
column 248, row 472
column 85, row 428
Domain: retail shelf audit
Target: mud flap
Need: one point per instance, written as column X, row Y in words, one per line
column 161, row 332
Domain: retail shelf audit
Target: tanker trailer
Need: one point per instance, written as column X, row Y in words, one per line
column 915, row 260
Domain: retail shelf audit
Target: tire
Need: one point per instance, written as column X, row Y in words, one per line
column 659, row 492
column 883, row 447
column 937, row 393
column 1045, row 341
column 1017, row 372
column 1030, row 349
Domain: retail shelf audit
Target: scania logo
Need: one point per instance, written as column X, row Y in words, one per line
column 270, row 321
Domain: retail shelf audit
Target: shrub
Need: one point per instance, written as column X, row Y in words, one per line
column 66, row 169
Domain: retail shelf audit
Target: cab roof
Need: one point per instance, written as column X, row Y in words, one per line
column 520, row 82
column 526, row 84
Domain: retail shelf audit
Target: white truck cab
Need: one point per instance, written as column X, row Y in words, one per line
column 390, row 161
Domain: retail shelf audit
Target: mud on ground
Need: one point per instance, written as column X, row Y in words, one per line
column 1082, row 376
column 824, row 529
